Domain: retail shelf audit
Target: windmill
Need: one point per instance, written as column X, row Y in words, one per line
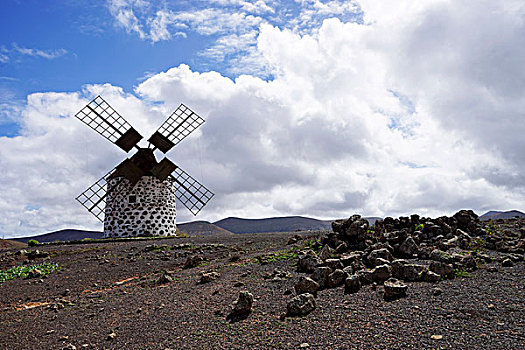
column 137, row 197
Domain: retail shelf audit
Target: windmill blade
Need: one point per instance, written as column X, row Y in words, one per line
column 163, row 169
column 94, row 198
column 189, row 191
column 102, row 118
column 180, row 124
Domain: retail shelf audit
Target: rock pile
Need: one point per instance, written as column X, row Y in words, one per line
column 394, row 251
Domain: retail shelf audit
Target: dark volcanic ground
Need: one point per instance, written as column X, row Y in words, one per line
column 107, row 296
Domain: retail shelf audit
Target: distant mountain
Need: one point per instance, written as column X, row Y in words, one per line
column 278, row 224
column 494, row 215
column 62, row 235
column 203, row 228
column 224, row 227
column 197, row 228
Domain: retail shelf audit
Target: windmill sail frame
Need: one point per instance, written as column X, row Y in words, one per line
column 182, row 122
column 102, row 118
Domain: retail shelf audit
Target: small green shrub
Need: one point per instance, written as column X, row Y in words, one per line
column 491, row 228
column 32, row 242
column 461, row 273
column 287, row 254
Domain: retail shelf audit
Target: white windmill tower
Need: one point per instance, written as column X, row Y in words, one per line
column 137, row 197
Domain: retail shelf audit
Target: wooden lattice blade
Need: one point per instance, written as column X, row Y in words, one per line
column 179, row 124
column 102, row 118
column 191, row 193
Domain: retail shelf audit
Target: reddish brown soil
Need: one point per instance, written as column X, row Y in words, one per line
column 6, row 244
column 110, row 288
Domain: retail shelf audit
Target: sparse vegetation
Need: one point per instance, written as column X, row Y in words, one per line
column 491, row 228
column 279, row 256
column 312, row 244
column 109, row 239
column 291, row 253
column 477, row 244
column 23, row 271
column 285, row 254
column 461, row 273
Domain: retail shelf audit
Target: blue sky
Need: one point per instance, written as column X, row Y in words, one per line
column 76, row 43
column 63, row 45
column 312, row 107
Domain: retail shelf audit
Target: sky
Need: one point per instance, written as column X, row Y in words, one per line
column 314, row 108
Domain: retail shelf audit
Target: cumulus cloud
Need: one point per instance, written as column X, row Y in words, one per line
column 416, row 109
column 234, row 24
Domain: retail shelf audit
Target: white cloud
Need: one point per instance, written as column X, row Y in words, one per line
column 48, row 54
column 416, row 110
column 6, row 54
column 337, row 126
column 313, row 12
column 124, row 14
column 208, row 21
column 234, row 23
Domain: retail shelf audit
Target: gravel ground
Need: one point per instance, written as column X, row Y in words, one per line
column 106, row 296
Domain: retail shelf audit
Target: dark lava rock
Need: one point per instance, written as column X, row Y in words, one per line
column 301, row 305
column 394, row 289
column 442, row 269
column 352, row 284
column 335, row 279
column 36, row 273
column 192, row 261
column 209, row 277
column 320, row 275
column 35, row 254
column 308, row 261
column 164, row 278
column 381, row 273
column 382, row 253
column 306, row 285
column 242, row 307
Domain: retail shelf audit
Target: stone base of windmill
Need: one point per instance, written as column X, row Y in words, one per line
column 146, row 209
